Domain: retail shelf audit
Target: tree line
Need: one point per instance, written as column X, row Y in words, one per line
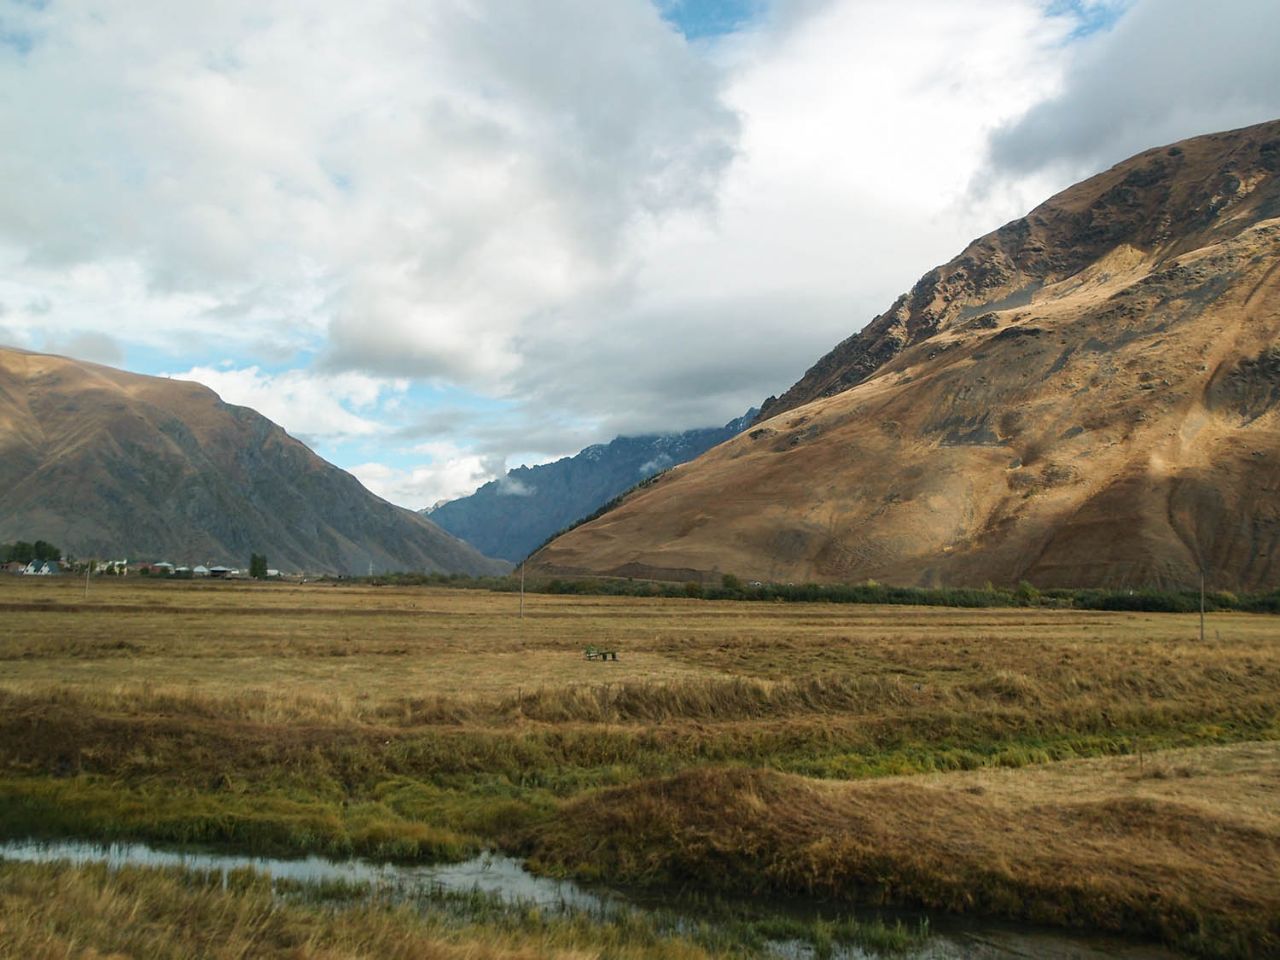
column 731, row 587
column 21, row 551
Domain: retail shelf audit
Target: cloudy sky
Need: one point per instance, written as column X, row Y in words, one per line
column 439, row 238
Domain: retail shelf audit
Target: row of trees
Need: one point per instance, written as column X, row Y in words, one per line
column 24, row 552
column 732, row 587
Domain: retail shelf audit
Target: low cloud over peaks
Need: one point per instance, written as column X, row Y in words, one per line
column 513, row 487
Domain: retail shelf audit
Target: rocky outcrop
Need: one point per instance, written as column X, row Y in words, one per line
column 1174, row 199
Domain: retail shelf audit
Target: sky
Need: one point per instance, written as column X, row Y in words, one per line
column 437, row 239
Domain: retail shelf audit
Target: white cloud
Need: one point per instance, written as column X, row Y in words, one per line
column 558, row 203
column 656, row 465
column 861, row 131
column 513, row 487
column 1170, row 69
column 115, row 295
column 313, row 407
column 89, row 345
column 448, row 473
column 415, row 180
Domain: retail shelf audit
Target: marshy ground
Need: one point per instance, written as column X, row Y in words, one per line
column 1088, row 769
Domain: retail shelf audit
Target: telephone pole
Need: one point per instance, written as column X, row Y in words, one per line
column 1202, row 603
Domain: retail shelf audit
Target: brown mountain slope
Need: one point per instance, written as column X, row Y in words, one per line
column 1089, row 395
column 113, row 464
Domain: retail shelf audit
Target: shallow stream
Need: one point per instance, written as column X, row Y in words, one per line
column 506, row 879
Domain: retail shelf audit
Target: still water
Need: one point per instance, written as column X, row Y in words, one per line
column 506, row 878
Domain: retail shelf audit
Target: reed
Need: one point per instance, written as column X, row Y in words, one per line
column 1192, row 860
column 59, row 912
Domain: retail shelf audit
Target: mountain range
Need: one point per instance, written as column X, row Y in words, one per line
column 517, row 513
column 1089, row 395
column 117, row 465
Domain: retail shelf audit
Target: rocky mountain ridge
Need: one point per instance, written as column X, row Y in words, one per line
column 1162, row 199
column 1089, row 395
column 515, row 514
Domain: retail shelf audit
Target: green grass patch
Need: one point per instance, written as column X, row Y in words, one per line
column 264, row 824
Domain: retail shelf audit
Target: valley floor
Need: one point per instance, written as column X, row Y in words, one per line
column 1096, row 770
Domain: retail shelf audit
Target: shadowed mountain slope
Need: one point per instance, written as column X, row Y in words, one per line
column 1087, row 396
column 113, row 464
column 511, row 516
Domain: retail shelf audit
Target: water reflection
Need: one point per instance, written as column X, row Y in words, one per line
column 505, row 878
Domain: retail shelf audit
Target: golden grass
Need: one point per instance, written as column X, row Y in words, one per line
column 359, row 644
column 1184, row 846
column 354, row 651
column 59, row 912
column 415, row 722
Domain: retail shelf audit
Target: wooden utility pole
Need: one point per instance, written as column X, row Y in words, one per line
column 521, row 589
column 1202, row 603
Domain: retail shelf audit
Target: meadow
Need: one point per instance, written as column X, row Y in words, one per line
column 1105, row 770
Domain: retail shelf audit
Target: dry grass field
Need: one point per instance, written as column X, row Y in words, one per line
column 360, row 649
column 923, row 756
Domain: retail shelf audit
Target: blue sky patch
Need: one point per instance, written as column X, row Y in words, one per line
column 1092, row 16
column 16, row 39
column 703, row 19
